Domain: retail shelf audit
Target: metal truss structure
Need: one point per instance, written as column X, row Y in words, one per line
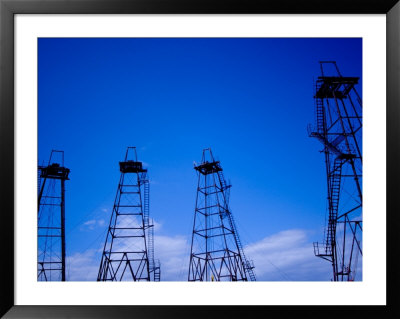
column 51, row 218
column 216, row 251
column 127, row 255
column 338, row 127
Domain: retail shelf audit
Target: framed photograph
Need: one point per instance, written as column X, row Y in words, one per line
column 196, row 144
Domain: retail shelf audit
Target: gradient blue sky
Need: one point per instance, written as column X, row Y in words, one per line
column 250, row 100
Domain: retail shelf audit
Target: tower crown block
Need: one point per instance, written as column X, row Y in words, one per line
column 335, row 86
column 209, row 167
column 55, row 171
column 131, row 167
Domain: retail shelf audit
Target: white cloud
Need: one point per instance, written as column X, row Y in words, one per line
column 157, row 226
column 92, row 224
column 89, row 222
column 173, row 253
column 287, row 255
column 83, row 266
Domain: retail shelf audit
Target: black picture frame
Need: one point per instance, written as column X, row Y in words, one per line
column 8, row 8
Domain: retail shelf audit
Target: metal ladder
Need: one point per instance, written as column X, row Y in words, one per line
column 334, row 193
column 320, row 115
column 157, row 270
column 147, row 226
column 247, row 265
column 39, row 180
column 225, row 188
column 146, row 202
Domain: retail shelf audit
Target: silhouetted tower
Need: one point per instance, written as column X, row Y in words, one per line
column 127, row 255
column 339, row 128
column 216, row 253
column 51, row 218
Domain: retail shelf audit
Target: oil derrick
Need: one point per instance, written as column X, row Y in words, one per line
column 216, row 251
column 51, row 218
column 127, row 256
column 339, row 128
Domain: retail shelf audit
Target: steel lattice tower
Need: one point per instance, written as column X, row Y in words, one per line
column 339, row 128
column 127, row 256
column 51, row 218
column 216, row 251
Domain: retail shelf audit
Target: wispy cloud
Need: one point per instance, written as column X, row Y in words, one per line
column 157, row 226
column 92, row 224
column 285, row 256
column 173, row 253
column 83, row 266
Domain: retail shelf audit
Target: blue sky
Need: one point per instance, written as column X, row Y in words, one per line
column 250, row 100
